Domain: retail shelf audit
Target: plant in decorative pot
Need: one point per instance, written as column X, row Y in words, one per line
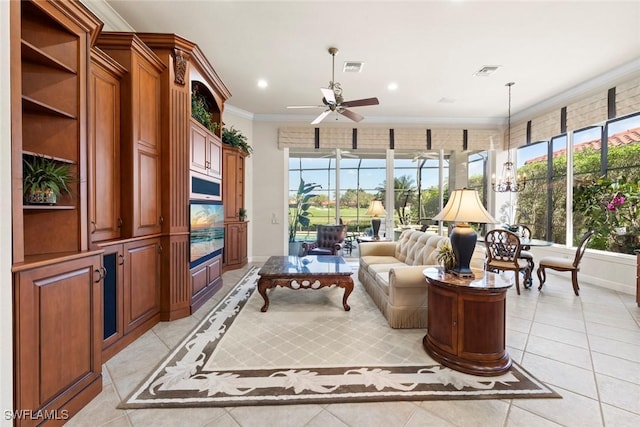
column 44, row 179
column 445, row 255
column 299, row 213
column 200, row 112
column 242, row 214
column 235, row 138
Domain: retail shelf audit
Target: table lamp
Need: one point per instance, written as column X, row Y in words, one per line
column 375, row 209
column 463, row 207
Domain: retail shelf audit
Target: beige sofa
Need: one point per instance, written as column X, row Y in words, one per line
column 391, row 272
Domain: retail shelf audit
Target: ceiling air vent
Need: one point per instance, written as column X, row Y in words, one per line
column 352, row 66
column 487, row 70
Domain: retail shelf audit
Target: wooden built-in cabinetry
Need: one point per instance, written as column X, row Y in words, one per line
column 206, row 151
column 191, row 153
column 131, row 292
column 110, row 260
column 233, row 170
column 205, row 281
column 58, row 330
column 140, row 138
column 56, row 278
column 105, row 217
column 235, row 250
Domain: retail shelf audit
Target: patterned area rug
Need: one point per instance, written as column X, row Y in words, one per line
column 307, row 349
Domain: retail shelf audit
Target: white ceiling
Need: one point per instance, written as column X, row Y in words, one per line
column 430, row 49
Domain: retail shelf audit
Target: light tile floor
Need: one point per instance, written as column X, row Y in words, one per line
column 586, row 348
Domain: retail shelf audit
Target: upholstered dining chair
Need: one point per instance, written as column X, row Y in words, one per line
column 503, row 254
column 565, row 264
column 329, row 240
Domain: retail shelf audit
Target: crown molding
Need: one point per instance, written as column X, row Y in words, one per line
column 112, row 19
column 239, row 112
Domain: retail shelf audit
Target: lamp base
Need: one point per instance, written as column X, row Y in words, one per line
column 463, row 242
column 375, row 227
column 463, row 274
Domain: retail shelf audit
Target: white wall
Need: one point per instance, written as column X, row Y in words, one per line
column 6, row 312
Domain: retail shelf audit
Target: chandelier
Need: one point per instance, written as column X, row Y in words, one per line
column 509, row 181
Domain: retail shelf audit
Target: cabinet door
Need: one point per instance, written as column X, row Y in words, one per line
column 199, row 148
column 235, row 241
column 146, row 135
column 58, row 332
column 442, row 318
column 104, row 153
column 215, row 157
column 112, row 295
column 141, row 282
column 232, row 168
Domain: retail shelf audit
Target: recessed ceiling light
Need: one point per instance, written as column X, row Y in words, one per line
column 262, row 83
column 392, row 86
column 446, row 100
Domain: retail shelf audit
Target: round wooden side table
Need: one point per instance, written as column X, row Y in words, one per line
column 466, row 321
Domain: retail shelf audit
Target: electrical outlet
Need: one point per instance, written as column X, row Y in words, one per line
column 274, row 219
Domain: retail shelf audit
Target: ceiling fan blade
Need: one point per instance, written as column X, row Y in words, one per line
column 321, row 117
column 351, row 115
column 328, row 95
column 361, row 102
column 306, row 106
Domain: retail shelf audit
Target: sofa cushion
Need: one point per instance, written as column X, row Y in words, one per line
column 382, row 280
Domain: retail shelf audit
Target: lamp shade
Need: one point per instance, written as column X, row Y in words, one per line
column 464, row 205
column 376, row 208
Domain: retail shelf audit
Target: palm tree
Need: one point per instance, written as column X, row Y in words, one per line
column 404, row 194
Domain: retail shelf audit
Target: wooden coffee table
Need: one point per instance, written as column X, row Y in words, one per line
column 309, row 272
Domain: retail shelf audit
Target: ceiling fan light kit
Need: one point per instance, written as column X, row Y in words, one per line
column 333, row 101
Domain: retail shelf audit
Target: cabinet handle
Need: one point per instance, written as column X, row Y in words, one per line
column 104, row 272
column 100, row 277
column 121, row 259
column 161, row 220
column 94, row 227
column 119, row 222
column 159, row 248
column 207, row 164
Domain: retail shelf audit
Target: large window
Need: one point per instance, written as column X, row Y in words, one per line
column 477, row 174
column 360, row 178
column 608, row 201
column 587, row 168
column 532, row 207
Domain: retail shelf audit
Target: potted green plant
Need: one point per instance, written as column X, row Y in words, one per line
column 299, row 211
column 200, row 112
column 235, row 138
column 242, row 214
column 445, row 255
column 44, row 179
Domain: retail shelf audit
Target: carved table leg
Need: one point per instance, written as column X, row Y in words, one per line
column 348, row 288
column 263, row 285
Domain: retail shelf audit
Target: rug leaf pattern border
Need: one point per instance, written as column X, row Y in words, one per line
column 179, row 381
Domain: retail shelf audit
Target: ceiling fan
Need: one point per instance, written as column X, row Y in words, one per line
column 332, row 98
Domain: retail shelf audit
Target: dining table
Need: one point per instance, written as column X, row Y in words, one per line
column 527, row 244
